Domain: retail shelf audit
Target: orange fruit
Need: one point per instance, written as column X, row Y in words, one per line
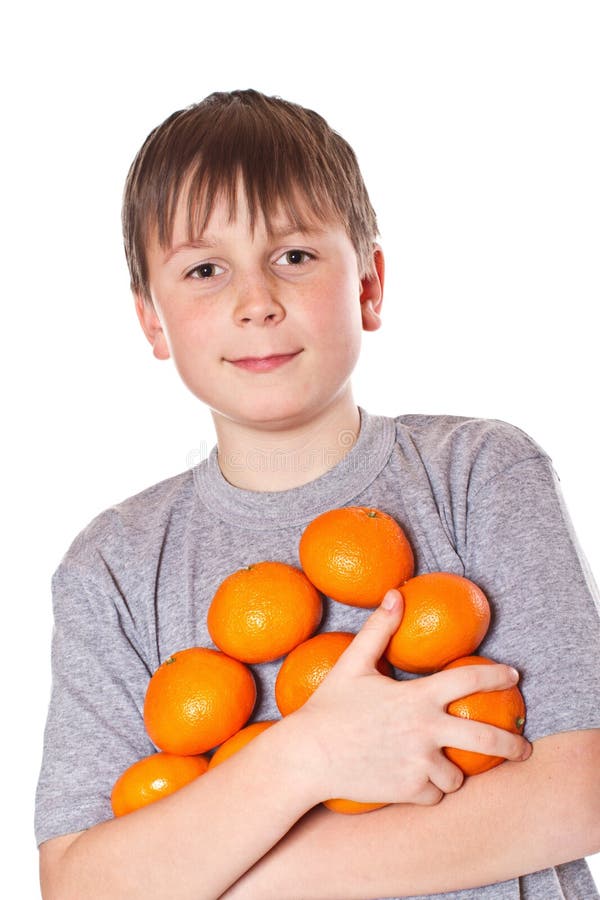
column 351, row 807
column 355, row 554
column 303, row 670
column 504, row 709
column 196, row 699
column 261, row 612
column 237, row 741
column 154, row 777
column 445, row 616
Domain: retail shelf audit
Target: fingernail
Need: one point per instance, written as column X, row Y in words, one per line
column 526, row 753
column 390, row 600
column 514, row 674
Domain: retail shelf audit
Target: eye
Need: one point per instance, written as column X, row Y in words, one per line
column 205, row 271
column 294, row 258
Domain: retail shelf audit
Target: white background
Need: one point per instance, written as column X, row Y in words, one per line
column 476, row 126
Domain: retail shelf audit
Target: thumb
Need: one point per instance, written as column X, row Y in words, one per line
column 368, row 646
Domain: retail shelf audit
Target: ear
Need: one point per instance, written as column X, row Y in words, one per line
column 151, row 326
column 371, row 295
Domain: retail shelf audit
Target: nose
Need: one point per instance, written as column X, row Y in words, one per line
column 256, row 302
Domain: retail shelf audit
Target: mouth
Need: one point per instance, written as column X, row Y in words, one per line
column 264, row 363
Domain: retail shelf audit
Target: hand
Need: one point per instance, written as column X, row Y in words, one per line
column 375, row 739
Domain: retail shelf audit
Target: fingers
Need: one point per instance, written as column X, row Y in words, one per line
column 368, row 645
column 460, row 682
column 445, row 775
column 466, row 734
column 429, row 795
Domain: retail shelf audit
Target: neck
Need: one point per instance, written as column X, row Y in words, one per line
column 290, row 453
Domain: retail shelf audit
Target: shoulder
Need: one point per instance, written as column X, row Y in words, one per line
column 129, row 526
column 478, row 448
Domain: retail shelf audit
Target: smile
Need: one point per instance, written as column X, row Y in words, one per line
column 264, row 364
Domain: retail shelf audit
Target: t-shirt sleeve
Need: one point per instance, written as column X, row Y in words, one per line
column 94, row 728
column 523, row 552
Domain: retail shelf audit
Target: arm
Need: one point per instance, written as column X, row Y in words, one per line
column 194, row 843
column 521, row 549
column 198, row 841
column 95, row 730
column 515, row 819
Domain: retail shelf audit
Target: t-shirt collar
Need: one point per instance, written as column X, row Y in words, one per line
column 264, row 510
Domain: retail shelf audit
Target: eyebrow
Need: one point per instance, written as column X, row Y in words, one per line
column 207, row 240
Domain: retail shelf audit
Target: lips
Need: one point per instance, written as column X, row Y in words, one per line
column 264, row 363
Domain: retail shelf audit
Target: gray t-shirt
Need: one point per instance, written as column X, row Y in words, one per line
column 475, row 496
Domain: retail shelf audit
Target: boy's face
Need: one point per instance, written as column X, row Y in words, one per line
column 229, row 296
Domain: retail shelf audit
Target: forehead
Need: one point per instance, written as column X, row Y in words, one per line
column 195, row 212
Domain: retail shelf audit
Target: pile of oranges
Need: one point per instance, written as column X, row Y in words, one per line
column 200, row 699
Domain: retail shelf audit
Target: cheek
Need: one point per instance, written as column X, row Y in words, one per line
column 193, row 334
column 337, row 321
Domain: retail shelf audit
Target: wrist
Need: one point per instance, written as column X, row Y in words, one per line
column 299, row 753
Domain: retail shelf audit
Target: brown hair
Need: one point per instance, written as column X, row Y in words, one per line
column 282, row 151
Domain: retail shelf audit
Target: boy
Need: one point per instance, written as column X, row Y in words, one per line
column 254, row 265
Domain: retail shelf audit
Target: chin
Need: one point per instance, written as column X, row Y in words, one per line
column 271, row 410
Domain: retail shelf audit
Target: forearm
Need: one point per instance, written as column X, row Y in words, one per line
column 515, row 819
column 198, row 841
